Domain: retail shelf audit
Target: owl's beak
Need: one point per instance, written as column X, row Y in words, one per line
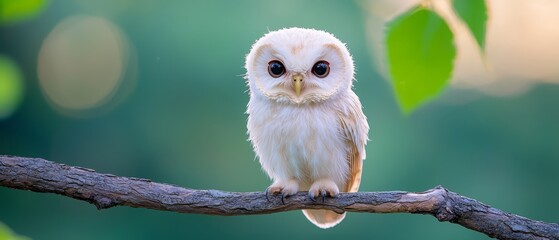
column 297, row 83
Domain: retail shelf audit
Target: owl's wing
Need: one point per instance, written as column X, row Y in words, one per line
column 354, row 127
column 355, row 169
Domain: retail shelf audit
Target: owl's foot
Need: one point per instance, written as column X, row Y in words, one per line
column 323, row 188
column 283, row 188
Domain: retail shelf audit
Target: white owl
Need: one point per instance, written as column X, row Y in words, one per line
column 305, row 123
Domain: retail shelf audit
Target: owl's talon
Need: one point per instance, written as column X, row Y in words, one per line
column 311, row 197
column 266, row 193
column 283, row 188
column 322, row 189
column 323, row 194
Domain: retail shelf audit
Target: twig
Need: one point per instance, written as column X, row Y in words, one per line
column 106, row 190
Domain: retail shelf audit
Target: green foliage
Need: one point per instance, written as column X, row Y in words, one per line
column 7, row 234
column 420, row 55
column 19, row 10
column 420, row 49
column 11, row 86
column 474, row 14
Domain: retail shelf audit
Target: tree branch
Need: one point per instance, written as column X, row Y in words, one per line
column 106, row 190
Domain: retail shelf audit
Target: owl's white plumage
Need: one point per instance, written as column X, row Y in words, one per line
column 311, row 135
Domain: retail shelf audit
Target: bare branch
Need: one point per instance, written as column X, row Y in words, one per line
column 106, row 190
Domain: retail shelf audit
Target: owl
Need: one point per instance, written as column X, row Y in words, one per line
column 305, row 123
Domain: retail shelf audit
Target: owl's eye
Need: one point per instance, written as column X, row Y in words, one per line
column 321, row 69
column 276, row 68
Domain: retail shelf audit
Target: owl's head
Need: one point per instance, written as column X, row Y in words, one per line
column 298, row 66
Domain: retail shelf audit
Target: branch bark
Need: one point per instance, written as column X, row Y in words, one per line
column 106, row 190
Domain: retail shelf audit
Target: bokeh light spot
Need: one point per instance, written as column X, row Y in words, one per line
column 11, row 87
column 82, row 62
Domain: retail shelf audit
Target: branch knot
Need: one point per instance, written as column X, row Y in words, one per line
column 444, row 211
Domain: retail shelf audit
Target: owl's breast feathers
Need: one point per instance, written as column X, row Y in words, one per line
column 299, row 140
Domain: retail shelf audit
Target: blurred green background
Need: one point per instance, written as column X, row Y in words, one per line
column 161, row 96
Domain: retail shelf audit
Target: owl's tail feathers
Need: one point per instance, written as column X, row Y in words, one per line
column 324, row 218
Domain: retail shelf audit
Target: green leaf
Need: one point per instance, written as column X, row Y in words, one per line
column 7, row 234
column 474, row 14
column 420, row 56
column 19, row 10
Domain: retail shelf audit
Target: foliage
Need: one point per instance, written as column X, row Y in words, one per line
column 421, row 52
column 474, row 14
